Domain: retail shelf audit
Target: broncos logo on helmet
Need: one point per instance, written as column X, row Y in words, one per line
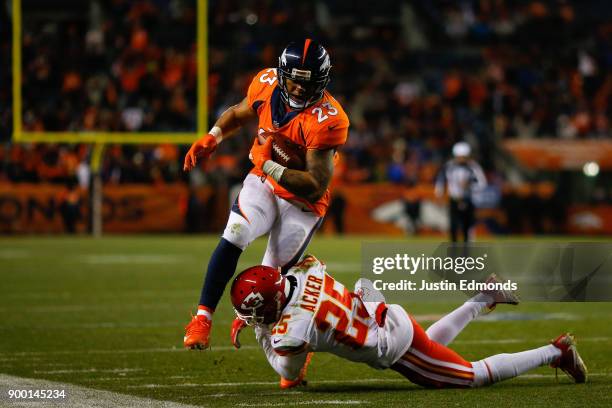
column 309, row 65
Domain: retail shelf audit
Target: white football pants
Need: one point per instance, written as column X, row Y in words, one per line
column 257, row 211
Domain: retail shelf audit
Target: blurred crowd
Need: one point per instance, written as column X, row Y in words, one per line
column 129, row 66
column 414, row 77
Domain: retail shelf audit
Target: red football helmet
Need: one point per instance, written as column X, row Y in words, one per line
column 258, row 294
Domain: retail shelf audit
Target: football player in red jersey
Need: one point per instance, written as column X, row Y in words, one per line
column 284, row 203
column 307, row 310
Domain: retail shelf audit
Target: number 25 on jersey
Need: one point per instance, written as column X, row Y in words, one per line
column 348, row 312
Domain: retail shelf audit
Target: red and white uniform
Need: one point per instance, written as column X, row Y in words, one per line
column 322, row 315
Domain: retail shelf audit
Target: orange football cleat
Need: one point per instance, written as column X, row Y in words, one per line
column 570, row 361
column 301, row 380
column 197, row 333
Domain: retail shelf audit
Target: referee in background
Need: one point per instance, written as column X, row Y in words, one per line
column 461, row 176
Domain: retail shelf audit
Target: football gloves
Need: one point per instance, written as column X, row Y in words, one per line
column 260, row 153
column 237, row 325
column 200, row 149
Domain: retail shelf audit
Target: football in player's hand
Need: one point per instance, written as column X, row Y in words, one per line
column 284, row 151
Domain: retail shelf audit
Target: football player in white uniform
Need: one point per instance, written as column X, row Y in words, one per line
column 307, row 310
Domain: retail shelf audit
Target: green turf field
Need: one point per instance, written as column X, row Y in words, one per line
column 109, row 314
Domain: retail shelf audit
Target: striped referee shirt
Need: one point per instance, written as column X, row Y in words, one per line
column 461, row 179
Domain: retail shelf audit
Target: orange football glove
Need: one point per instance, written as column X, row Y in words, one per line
column 200, row 149
column 301, row 380
column 237, row 325
column 261, row 152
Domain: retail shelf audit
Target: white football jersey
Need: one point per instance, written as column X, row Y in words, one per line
column 324, row 316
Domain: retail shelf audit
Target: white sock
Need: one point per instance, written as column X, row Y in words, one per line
column 503, row 366
column 205, row 313
column 447, row 328
column 483, row 298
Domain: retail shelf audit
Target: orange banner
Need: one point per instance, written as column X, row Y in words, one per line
column 365, row 209
column 143, row 208
column 556, row 154
column 42, row 208
column 363, row 200
column 50, row 208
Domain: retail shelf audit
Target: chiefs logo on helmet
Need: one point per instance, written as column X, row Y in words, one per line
column 252, row 301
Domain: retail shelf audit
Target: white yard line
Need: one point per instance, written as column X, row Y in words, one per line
column 510, row 341
column 504, row 316
column 242, row 384
column 88, row 370
column 562, row 375
column 76, row 396
column 333, row 267
column 279, row 393
column 310, row 402
column 119, row 259
column 121, row 351
column 344, row 267
column 78, row 308
column 189, row 385
column 509, row 316
column 110, row 325
column 10, row 253
column 106, row 295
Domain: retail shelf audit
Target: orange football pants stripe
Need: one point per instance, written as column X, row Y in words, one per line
column 432, row 364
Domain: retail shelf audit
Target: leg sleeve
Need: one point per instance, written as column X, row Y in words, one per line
column 447, row 328
column 509, row 365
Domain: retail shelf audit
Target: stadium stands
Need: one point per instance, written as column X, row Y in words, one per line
column 414, row 79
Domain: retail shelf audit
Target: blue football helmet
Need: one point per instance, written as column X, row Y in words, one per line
column 308, row 64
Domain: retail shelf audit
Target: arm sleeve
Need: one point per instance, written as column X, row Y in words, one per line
column 287, row 366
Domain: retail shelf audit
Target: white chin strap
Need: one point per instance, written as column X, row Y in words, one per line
column 287, row 288
column 296, row 105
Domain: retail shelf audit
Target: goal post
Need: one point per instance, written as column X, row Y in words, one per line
column 99, row 139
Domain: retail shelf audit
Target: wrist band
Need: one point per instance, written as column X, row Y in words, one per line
column 273, row 170
column 217, row 133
